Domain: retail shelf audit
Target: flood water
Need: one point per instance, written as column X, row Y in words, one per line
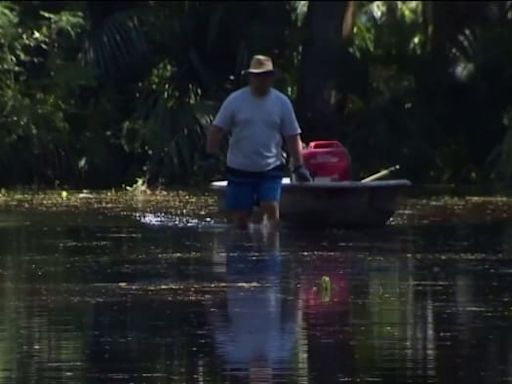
column 91, row 297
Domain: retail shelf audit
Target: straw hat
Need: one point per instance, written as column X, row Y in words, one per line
column 261, row 64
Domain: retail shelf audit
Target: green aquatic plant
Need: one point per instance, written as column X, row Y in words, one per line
column 325, row 289
column 139, row 187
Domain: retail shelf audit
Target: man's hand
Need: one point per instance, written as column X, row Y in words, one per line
column 302, row 174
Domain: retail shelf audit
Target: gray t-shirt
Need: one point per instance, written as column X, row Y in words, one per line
column 257, row 125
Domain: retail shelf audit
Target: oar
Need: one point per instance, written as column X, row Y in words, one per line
column 380, row 174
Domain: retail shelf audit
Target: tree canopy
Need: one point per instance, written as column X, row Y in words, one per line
column 99, row 94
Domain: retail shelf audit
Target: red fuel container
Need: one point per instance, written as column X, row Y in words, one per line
column 328, row 160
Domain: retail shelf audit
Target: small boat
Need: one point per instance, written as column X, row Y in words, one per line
column 367, row 203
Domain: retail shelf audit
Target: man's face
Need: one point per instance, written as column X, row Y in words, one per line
column 261, row 83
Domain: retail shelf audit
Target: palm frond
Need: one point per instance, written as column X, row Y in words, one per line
column 115, row 46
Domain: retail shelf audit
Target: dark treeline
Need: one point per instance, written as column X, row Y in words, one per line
column 97, row 94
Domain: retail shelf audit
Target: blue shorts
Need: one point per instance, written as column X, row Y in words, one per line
column 246, row 190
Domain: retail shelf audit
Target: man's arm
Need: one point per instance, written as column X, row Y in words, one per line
column 213, row 140
column 221, row 124
column 291, row 131
column 294, row 145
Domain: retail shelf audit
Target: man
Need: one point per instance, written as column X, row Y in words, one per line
column 257, row 116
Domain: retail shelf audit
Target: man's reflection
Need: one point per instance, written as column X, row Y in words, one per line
column 255, row 330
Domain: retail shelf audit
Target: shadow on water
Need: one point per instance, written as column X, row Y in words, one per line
column 89, row 298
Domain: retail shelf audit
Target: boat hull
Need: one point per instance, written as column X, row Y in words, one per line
column 337, row 204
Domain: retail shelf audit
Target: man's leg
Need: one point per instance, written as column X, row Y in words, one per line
column 257, row 215
column 239, row 203
column 269, row 193
column 270, row 209
column 240, row 219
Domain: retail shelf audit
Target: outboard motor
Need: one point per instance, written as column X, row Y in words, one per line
column 328, row 161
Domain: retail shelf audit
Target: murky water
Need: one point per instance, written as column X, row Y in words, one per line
column 91, row 297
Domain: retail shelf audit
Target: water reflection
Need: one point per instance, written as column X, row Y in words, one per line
column 255, row 323
column 86, row 299
column 326, row 318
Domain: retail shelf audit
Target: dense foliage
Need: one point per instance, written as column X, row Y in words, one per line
column 101, row 93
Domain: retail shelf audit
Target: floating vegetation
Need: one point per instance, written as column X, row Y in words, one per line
column 447, row 209
column 176, row 291
column 179, row 202
column 194, row 208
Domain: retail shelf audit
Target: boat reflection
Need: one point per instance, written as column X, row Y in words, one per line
column 318, row 317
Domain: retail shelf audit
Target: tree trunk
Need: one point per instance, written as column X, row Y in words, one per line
column 323, row 68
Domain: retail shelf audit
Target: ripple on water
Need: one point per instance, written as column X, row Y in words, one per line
column 162, row 219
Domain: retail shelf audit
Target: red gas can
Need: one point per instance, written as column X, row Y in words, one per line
column 328, row 160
